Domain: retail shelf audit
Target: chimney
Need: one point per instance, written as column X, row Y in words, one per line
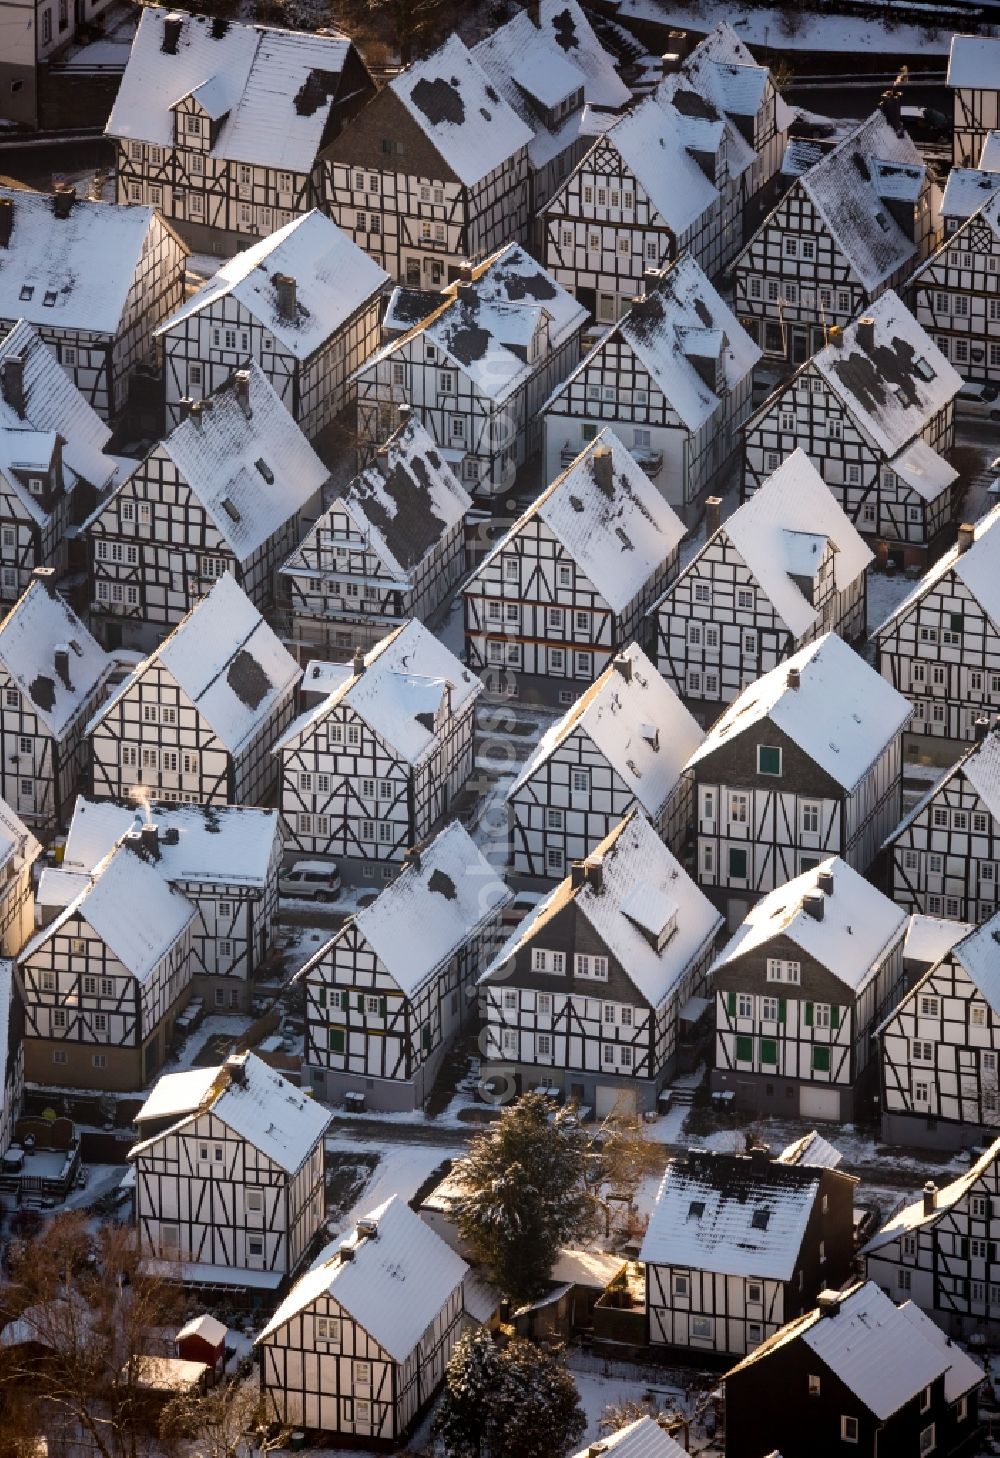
column 534, row 11
column 813, row 904
column 713, row 516
column 149, row 837
column 219, row 27
column 172, row 24
column 966, row 532
column 824, row 881
column 403, row 412
column 623, row 665
column 828, row 1303
column 981, row 728
column 284, row 288
column 603, row 468
column 63, row 199
column 346, row 1252
column 241, row 384
column 47, row 577
column 890, row 109
column 367, row 1229
column 6, row 220
column 793, row 678
column 835, row 337
column 60, row 662
column 358, row 663
column 197, row 413
column 864, row 333
column 12, row 383
column 185, row 406
column 930, row 1197
column 640, row 306
column 236, row 1067
column 466, row 292
column 465, row 274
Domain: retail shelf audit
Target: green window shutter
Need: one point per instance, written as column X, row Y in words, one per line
column 963, row 1247
column 381, row 1007
column 808, row 1014
column 768, row 760
column 425, row 1038
column 590, row 432
column 336, row 1040
column 737, row 862
column 782, row 1009
column 361, row 1002
column 321, row 997
column 744, row 1050
column 821, row 1060
column 834, row 1016
column 957, row 622
column 991, row 1251
column 769, row 1051
column 731, row 1003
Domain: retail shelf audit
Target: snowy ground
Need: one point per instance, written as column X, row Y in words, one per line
column 842, row 34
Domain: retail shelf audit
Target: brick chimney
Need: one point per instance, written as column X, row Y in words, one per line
column 814, row 905
column 358, row 663
column 623, row 665
column 12, row 383
column 241, row 385
column 284, row 288
column 172, row 26
column 930, row 1197
column 603, row 464
column 47, row 577
column 793, row 678
column 713, row 516
column 63, row 199
column 6, row 220
column 864, row 333
column 966, row 535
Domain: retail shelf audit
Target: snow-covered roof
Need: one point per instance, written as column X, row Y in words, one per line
column 393, row 1283
column 812, row 1151
column 432, row 908
column 254, row 1101
column 270, row 90
column 403, row 504
column 974, row 62
column 849, row 188
column 406, row 681
column 18, row 845
column 609, row 518
column 722, row 71
column 782, row 533
column 642, row 1439
column 632, row 889
column 666, row 331
column 131, row 908
column 967, row 189
column 895, row 385
column 979, row 955
column 208, row 1327
column 53, row 406
column 929, row 938
column 333, row 278
column 227, row 661
column 485, row 326
column 923, row 470
column 648, row 141
column 51, row 657
column 73, row 272
column 855, row 927
column 732, row 1214
column 977, row 567
column 461, row 112
column 989, row 156
column 635, row 720
column 916, row 1214
column 839, row 711
column 231, row 844
column 175, row 1094
column 247, row 462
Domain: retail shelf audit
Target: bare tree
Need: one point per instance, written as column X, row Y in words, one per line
column 228, row 1421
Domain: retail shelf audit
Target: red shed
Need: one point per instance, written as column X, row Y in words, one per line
column 203, row 1339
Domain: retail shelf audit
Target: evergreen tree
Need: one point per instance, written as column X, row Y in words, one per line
column 525, row 1196
column 510, row 1401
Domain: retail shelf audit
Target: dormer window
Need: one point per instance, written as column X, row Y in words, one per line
column 36, row 485
column 50, row 298
column 193, row 124
column 26, row 292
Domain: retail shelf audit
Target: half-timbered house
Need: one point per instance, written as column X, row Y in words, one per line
column 360, row 1344
column 805, row 764
column 38, row 31
column 590, row 994
column 105, row 981
column 875, row 412
column 940, row 1046
column 786, row 567
column 374, row 767
column 392, row 547
column 856, row 1374
column 303, row 303
column 225, row 859
column 968, row 188
column 95, row 280
column 220, row 123
column 392, row 989
column 673, row 378
column 551, row 69
column 433, row 171
column 799, row 992
column 198, row 719
column 571, row 582
column 956, row 294
column 940, row 1250
column 53, row 458
column 223, row 493
column 944, row 858
column 974, row 79
column 229, row 1175
column 19, row 850
column 737, row 1244
column 941, row 645
column 477, row 369
column 624, row 742
column 11, row 1053
column 852, row 225
column 52, row 677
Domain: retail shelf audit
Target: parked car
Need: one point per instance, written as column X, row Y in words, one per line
column 310, row 881
column 982, row 400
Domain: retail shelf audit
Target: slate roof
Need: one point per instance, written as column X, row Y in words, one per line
column 83, row 264
column 977, row 568
column 648, row 142
column 732, row 1214
column 393, row 1284
column 636, row 721
column 33, row 635
column 333, row 279
column 249, row 75
column 402, row 505
column 842, row 715
column 642, row 886
column 642, row 1439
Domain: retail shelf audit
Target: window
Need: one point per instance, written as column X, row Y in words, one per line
column 255, row 1200
column 768, row 760
column 921, row 1051
column 930, row 1007
column 809, row 812
column 543, row 1045
column 815, row 1386
column 702, row 1328
column 744, row 1005
column 579, row 781
column 745, row 598
column 848, row 1429
column 328, row 1328
column 703, row 592
column 928, row 1440
column 585, row 965
column 681, row 1284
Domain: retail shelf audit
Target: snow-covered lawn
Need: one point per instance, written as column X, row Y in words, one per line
column 817, row 32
